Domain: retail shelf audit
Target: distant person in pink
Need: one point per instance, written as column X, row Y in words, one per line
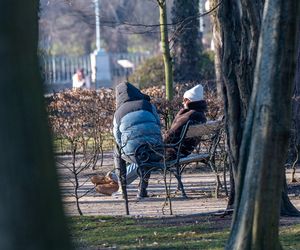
column 79, row 80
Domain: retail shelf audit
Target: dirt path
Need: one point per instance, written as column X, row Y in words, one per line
column 199, row 186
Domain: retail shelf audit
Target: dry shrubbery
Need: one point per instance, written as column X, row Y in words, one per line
column 78, row 114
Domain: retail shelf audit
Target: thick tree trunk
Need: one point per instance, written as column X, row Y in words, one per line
column 296, row 100
column 236, row 31
column 287, row 208
column 31, row 214
column 251, row 12
column 218, row 50
column 265, row 139
column 186, row 43
column 166, row 49
column 295, row 137
column 238, row 22
column 231, row 35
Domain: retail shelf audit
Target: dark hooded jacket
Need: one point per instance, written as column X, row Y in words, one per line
column 194, row 113
column 136, row 121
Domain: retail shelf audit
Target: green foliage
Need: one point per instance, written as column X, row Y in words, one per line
column 206, row 65
column 140, row 43
column 150, row 73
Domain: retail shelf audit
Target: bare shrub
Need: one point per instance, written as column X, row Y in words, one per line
column 81, row 119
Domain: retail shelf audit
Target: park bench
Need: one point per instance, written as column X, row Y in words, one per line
column 209, row 132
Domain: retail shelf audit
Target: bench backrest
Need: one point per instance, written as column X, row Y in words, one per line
column 144, row 151
column 207, row 128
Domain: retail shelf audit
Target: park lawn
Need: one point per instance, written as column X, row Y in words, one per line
column 205, row 232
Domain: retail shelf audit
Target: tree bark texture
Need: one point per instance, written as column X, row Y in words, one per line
column 218, row 49
column 230, row 30
column 31, row 214
column 287, row 208
column 250, row 15
column 265, row 138
column 240, row 22
column 186, row 44
column 296, row 102
column 236, row 32
column 166, row 48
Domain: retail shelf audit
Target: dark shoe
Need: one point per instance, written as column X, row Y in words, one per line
column 142, row 194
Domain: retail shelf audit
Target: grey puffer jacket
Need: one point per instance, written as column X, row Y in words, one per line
column 136, row 121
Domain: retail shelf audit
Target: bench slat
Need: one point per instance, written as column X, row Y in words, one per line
column 207, row 128
column 185, row 160
column 193, row 158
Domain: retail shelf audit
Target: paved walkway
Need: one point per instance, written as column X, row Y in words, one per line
column 199, row 189
column 199, row 186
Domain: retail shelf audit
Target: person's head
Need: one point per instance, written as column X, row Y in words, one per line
column 126, row 92
column 194, row 94
column 80, row 74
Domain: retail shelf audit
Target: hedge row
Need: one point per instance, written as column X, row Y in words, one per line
column 77, row 113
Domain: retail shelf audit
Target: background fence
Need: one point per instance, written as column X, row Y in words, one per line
column 58, row 70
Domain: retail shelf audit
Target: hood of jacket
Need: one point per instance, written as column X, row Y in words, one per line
column 126, row 92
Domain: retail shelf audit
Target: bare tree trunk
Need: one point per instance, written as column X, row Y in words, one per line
column 222, row 91
column 265, row 139
column 296, row 117
column 165, row 48
column 287, row 208
column 238, row 22
column 227, row 38
column 230, row 204
column 251, row 12
column 31, row 214
column 297, row 100
column 230, row 30
column 218, row 51
column 187, row 45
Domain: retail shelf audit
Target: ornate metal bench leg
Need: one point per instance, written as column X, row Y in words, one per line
column 179, row 181
column 120, row 165
column 124, row 186
column 144, row 176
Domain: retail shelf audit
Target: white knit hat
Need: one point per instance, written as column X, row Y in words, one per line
column 194, row 94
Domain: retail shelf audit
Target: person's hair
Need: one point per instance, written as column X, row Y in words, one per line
column 81, row 70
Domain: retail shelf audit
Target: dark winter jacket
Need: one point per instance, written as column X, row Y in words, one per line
column 136, row 121
column 194, row 113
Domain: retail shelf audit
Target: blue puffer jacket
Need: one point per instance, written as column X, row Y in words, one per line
column 136, row 121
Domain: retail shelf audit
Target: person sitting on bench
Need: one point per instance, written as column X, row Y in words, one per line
column 194, row 108
column 136, row 122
